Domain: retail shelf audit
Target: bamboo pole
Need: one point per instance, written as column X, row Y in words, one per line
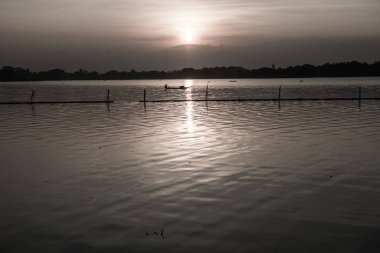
column 144, row 100
column 55, row 102
column 32, row 96
column 256, row 99
column 360, row 96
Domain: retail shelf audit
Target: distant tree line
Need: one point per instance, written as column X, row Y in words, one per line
column 345, row 69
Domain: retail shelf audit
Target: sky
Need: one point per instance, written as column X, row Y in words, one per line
column 157, row 35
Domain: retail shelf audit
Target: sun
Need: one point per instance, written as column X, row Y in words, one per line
column 188, row 38
column 188, row 35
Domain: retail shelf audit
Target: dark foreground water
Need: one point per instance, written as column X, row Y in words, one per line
column 190, row 177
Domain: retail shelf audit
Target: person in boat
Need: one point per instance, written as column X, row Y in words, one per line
column 166, row 86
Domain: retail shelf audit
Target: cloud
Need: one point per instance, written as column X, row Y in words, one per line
column 140, row 30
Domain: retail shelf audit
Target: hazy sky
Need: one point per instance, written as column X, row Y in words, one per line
column 124, row 34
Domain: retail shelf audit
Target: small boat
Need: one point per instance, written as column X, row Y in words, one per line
column 180, row 87
column 232, row 81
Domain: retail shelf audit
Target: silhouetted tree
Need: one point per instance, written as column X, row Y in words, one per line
column 350, row 69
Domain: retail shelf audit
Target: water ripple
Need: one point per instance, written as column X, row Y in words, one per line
column 189, row 176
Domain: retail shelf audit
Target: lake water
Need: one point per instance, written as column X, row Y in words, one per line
column 303, row 176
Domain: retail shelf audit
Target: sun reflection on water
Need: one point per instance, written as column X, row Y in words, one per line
column 190, row 125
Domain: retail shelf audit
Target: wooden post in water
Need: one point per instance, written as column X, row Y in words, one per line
column 144, row 95
column 108, row 96
column 32, row 97
column 360, row 96
column 206, row 92
column 279, row 93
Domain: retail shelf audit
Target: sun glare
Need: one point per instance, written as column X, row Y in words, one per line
column 188, row 38
column 189, row 27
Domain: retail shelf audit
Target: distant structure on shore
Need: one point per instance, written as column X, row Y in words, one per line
column 345, row 69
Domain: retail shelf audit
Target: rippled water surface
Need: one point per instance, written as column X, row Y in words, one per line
column 303, row 176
